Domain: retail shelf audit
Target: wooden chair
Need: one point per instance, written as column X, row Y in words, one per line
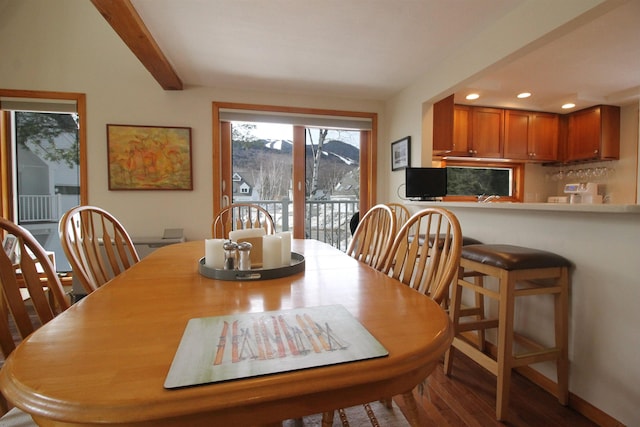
column 33, row 270
column 401, row 213
column 239, row 216
column 373, row 236
column 428, row 269
column 96, row 244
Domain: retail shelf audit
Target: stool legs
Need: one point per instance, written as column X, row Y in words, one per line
column 506, row 295
column 505, row 344
column 562, row 337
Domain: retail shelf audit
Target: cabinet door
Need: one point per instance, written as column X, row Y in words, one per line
column 461, row 129
column 443, row 126
column 543, row 138
column 487, row 132
column 583, row 139
column 517, row 128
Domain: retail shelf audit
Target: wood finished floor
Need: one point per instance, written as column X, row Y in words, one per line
column 467, row 398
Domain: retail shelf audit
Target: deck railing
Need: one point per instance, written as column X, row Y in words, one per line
column 39, row 208
column 325, row 220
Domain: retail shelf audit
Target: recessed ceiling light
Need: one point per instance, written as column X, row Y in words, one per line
column 524, row 95
column 568, row 105
column 472, row 96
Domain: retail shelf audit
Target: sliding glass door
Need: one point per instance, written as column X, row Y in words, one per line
column 309, row 177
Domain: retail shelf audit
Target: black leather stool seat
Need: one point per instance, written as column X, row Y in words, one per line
column 465, row 240
column 510, row 257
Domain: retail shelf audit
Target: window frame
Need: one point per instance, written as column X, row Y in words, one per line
column 222, row 154
column 6, row 165
column 517, row 179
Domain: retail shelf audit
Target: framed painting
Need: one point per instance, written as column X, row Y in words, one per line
column 149, row 157
column 401, row 153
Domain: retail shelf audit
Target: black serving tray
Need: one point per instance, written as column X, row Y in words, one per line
column 297, row 266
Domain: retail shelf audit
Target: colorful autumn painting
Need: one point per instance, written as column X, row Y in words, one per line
column 149, row 158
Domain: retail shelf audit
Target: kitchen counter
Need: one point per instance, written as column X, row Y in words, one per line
column 553, row 207
column 601, row 241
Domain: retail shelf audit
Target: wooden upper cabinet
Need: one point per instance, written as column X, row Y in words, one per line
column 451, row 131
column 461, row 129
column 593, row 134
column 443, row 126
column 487, row 132
column 531, row 135
column 492, row 133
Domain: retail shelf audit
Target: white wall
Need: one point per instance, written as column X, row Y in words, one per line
column 68, row 46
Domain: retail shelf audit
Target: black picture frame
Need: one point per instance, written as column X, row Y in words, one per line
column 401, row 153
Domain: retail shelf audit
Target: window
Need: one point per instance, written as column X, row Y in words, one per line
column 42, row 147
column 474, row 180
column 293, row 178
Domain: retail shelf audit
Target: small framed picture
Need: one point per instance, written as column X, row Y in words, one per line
column 401, row 153
column 10, row 245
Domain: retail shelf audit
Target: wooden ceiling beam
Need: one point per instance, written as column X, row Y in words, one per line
column 126, row 22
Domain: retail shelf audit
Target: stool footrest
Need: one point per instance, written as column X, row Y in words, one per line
column 531, row 358
column 476, row 355
column 477, row 324
column 478, row 289
column 470, row 311
column 537, row 291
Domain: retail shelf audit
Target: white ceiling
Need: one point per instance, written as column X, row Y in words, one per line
column 336, row 47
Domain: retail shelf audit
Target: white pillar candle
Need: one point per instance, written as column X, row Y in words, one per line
column 235, row 235
column 286, row 247
column 271, row 251
column 213, row 253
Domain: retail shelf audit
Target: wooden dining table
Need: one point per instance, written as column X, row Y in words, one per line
column 104, row 360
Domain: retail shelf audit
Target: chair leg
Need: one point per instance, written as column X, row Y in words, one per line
column 327, row 419
column 412, row 409
column 387, row 402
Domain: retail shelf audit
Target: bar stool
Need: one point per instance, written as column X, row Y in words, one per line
column 520, row 272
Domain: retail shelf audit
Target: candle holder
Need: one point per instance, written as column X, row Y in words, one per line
column 296, row 266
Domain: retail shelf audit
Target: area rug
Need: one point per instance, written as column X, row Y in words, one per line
column 373, row 414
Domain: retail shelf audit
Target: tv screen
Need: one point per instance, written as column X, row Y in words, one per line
column 425, row 183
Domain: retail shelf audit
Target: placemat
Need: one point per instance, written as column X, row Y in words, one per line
column 224, row 348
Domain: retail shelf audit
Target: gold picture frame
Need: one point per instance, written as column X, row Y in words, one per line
column 149, row 157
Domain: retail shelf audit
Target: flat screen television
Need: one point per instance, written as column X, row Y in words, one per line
column 425, row 183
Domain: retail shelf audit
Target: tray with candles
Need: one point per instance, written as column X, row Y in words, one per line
column 259, row 273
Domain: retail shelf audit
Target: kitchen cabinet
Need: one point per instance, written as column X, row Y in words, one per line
column 443, row 126
column 463, row 131
column 593, row 134
column 531, row 135
column 487, row 132
column 451, row 131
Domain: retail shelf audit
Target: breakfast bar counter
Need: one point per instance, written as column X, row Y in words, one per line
column 551, row 207
column 602, row 242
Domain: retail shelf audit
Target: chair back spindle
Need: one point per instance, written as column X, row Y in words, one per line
column 96, row 244
column 373, row 237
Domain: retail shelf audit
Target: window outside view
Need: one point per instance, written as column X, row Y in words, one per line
column 262, row 174
column 46, row 181
column 478, row 181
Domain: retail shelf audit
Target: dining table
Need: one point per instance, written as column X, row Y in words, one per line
column 105, row 360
